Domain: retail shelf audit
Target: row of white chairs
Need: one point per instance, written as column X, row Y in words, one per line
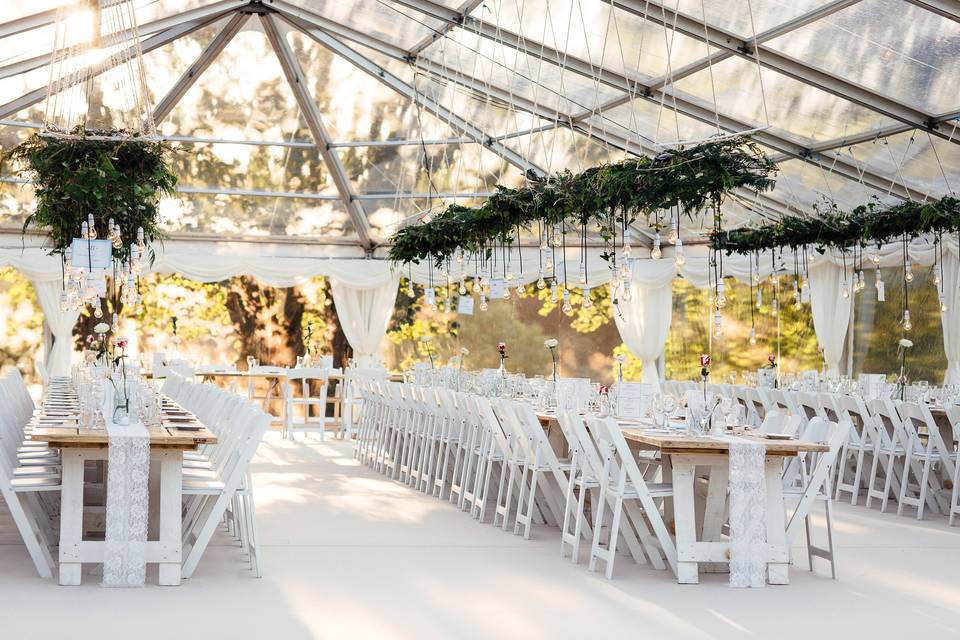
column 896, row 449
column 492, row 456
column 217, row 485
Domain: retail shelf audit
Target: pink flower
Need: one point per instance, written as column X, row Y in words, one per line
column 705, row 360
column 604, row 390
column 502, row 347
column 772, row 358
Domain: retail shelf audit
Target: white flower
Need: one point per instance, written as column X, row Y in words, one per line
column 101, row 327
column 464, row 351
column 620, row 358
column 551, row 343
column 905, row 344
column 425, row 339
column 175, row 339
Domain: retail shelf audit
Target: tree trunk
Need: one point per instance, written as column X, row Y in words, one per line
column 267, row 320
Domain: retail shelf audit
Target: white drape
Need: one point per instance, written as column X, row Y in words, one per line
column 61, row 324
column 644, row 320
column 364, row 314
column 951, row 318
column 831, row 311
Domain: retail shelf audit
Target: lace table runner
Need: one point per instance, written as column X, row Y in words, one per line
column 128, row 471
column 748, row 499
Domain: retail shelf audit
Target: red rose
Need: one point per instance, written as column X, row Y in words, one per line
column 705, row 360
column 772, row 358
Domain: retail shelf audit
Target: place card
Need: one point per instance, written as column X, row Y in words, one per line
column 465, row 305
column 91, row 254
column 633, row 398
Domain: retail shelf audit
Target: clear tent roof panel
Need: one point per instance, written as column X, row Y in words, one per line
column 598, row 32
column 563, row 150
column 921, row 162
column 384, row 20
column 889, row 46
column 746, row 18
column 770, row 98
column 652, row 120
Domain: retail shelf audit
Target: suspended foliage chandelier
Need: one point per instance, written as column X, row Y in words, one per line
column 97, row 169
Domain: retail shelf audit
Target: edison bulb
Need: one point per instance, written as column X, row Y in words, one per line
column 753, row 336
column 627, row 250
column 567, row 307
column 943, row 304
column 541, row 283
column 774, row 307
column 476, row 286
column 936, row 278
column 674, row 233
column 554, row 296
column 908, row 275
column 907, row 325
column 463, row 288
column 845, row 290
column 587, row 300
column 627, row 296
column 483, row 302
column 506, row 293
column 721, row 296
column 656, row 253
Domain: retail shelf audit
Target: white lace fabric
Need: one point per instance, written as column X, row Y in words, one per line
column 748, row 499
column 128, row 472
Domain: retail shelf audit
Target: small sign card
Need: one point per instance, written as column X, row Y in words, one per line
column 633, row 398
column 465, row 305
column 497, row 287
column 91, row 254
column 573, row 393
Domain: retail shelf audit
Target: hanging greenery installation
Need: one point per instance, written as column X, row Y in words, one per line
column 831, row 228
column 111, row 174
column 608, row 196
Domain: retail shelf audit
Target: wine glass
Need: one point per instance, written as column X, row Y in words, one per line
column 251, row 362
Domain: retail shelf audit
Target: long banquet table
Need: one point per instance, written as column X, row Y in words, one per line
column 681, row 456
column 77, row 445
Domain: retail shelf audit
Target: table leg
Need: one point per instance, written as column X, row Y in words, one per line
column 715, row 511
column 685, row 520
column 171, row 542
column 71, row 515
column 778, row 566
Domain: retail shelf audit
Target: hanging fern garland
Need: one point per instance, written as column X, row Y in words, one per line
column 690, row 179
column 111, row 174
column 832, row 228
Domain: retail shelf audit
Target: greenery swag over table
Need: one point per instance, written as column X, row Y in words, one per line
column 109, row 173
column 832, row 228
column 609, row 196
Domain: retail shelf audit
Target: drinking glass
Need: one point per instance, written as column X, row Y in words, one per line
column 251, row 362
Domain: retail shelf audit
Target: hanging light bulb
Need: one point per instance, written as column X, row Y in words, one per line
column 567, row 307
column 678, row 258
column 627, row 295
column 410, row 291
column 656, row 253
column 583, row 274
column 483, row 302
column 881, row 290
column 674, row 236
column 98, row 310
column 548, row 264
column 753, row 335
column 717, row 325
column 774, row 307
column 484, row 282
column 862, row 280
column 587, row 300
column 627, row 250
column 875, row 257
column 845, row 290
column 908, row 274
column 506, row 293
column 509, row 276
column 936, row 278
column 759, row 298
column 462, row 290
column 721, row 295
column 943, row 303
column 476, row 286
column 907, row 325
column 557, row 235
column 554, row 294
column 85, row 230
column 460, row 257
column 541, row 283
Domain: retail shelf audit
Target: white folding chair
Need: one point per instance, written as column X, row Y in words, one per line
column 924, row 462
column 298, row 392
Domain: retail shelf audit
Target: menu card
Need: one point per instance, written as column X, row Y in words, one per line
column 633, row 398
column 573, row 394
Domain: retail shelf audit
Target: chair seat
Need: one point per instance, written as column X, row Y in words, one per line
column 656, row 490
column 35, row 484
column 196, row 464
column 190, row 473
column 37, row 472
column 202, row 487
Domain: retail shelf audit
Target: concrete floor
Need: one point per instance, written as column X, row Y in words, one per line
column 350, row 554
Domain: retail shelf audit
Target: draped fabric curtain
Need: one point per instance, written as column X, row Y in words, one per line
column 57, row 359
column 831, row 311
column 364, row 314
column 644, row 320
column 951, row 317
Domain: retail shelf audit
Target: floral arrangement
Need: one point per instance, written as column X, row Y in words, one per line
column 551, row 344
column 833, row 228
column 620, row 359
column 502, row 350
column 608, row 196
column 464, row 352
column 901, row 381
column 771, row 361
column 425, row 341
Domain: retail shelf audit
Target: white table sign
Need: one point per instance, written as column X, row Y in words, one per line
column 91, row 254
column 465, row 305
column 573, row 393
column 633, row 398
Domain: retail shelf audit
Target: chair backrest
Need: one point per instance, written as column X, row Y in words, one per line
column 834, row 435
column 889, row 425
column 269, row 370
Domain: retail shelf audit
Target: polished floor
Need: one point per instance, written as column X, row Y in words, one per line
column 350, row 554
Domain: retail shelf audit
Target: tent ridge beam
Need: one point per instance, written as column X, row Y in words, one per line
column 311, row 113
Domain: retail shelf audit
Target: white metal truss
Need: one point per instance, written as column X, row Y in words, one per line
column 308, row 107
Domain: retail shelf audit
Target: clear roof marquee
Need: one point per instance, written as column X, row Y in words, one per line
column 422, row 103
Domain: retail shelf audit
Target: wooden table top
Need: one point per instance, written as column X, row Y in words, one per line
column 167, row 438
column 681, row 443
column 254, row 374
